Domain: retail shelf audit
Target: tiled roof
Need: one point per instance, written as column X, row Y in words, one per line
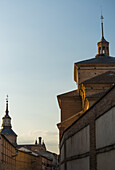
column 100, row 59
column 103, row 40
column 23, row 149
column 105, row 78
column 97, row 95
column 43, row 153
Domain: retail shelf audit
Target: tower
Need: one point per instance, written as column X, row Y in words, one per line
column 103, row 45
column 6, row 129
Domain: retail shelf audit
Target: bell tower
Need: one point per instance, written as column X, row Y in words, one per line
column 103, row 45
column 6, row 129
column 6, row 119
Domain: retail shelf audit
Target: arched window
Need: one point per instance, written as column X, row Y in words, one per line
column 103, row 50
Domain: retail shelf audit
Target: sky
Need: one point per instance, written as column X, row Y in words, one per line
column 40, row 40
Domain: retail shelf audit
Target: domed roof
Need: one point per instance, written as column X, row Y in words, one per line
column 7, row 131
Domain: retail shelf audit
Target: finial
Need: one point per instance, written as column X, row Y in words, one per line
column 102, row 18
column 102, row 25
column 7, row 105
column 7, row 98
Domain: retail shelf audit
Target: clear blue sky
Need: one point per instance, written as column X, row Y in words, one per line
column 39, row 42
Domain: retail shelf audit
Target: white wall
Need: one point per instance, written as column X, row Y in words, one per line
column 79, row 143
column 79, row 164
column 62, row 153
column 105, row 129
column 106, row 161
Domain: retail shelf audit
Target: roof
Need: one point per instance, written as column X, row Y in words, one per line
column 103, row 40
column 23, row 149
column 97, row 95
column 99, row 59
column 105, row 78
column 27, row 149
column 7, row 131
column 69, row 94
column 6, row 116
column 29, row 146
column 46, row 155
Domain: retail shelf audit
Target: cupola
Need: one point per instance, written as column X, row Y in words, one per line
column 103, row 45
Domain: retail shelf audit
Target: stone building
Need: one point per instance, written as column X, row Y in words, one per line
column 87, row 114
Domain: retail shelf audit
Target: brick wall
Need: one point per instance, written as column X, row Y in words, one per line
column 69, row 107
column 85, row 72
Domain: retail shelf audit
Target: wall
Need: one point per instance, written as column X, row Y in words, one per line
column 89, row 143
column 84, row 72
column 23, row 161
column 7, row 151
column 105, row 140
column 69, row 107
column 96, row 88
column 12, row 139
column 46, row 164
column 75, row 150
column 78, row 144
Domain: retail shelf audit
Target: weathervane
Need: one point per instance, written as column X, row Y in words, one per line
column 102, row 18
column 7, row 98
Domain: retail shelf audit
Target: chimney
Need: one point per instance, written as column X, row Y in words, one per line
column 40, row 138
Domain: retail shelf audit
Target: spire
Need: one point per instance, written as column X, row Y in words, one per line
column 6, row 105
column 102, row 26
column 103, row 45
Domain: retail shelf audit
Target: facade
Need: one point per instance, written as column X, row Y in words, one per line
column 7, row 154
column 28, row 160
column 87, row 114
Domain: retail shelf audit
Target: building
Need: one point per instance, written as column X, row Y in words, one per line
column 25, row 156
column 28, row 160
column 12, row 158
column 87, row 114
column 35, row 147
